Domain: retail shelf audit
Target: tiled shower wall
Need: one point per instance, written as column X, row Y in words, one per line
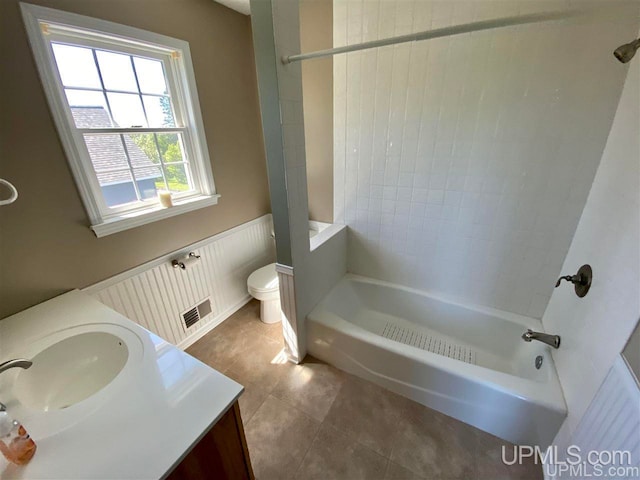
column 462, row 164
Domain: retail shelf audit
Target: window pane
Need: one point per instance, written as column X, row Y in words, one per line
column 107, row 153
column 127, row 110
column 142, row 149
column 150, row 76
column 159, row 112
column 117, row 72
column 117, row 188
column 178, row 177
column 171, row 147
column 148, row 180
column 89, row 109
column 161, row 185
column 76, row 66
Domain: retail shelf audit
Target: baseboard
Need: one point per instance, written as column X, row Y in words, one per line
column 218, row 319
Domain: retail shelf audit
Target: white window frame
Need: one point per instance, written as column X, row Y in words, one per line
column 41, row 24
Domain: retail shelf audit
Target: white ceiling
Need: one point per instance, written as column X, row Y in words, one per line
column 241, row 6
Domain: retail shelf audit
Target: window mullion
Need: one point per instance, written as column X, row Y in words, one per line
column 113, row 170
column 135, row 76
column 132, row 131
column 161, row 158
column 85, row 89
column 181, row 162
column 109, row 90
column 133, row 175
column 104, row 93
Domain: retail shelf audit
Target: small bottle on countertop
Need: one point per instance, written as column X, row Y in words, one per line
column 15, row 443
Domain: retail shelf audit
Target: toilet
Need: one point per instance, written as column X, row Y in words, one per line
column 263, row 285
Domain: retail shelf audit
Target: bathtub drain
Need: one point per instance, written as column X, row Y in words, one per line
column 428, row 342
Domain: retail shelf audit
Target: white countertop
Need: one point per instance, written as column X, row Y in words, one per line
column 139, row 426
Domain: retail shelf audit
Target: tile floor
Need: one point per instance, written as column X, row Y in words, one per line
column 313, row 421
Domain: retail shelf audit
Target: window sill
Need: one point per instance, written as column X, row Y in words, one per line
column 153, row 214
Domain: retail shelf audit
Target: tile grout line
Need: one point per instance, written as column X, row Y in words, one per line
column 320, row 423
column 246, row 388
column 306, row 453
column 348, row 432
column 305, row 415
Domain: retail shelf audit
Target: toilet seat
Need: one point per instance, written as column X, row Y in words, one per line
column 263, row 283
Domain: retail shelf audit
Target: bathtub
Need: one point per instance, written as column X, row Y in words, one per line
column 466, row 362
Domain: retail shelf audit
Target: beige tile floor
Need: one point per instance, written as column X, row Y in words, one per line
column 313, row 421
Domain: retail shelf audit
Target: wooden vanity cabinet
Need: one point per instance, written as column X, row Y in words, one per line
column 221, row 454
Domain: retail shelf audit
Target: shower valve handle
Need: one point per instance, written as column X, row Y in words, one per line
column 575, row 279
column 581, row 280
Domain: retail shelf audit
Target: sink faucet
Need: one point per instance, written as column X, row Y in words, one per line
column 15, row 363
column 551, row 340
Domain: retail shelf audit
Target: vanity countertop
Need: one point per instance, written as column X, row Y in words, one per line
column 139, row 426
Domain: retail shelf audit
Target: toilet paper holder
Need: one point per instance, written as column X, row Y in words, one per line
column 185, row 262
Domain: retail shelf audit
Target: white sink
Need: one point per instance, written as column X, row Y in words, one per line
column 71, row 370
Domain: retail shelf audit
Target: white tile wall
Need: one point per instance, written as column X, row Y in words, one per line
column 462, row 164
column 155, row 294
column 594, row 329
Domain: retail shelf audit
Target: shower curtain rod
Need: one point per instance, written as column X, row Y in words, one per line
column 439, row 32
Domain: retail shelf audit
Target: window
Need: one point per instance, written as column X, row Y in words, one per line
column 125, row 104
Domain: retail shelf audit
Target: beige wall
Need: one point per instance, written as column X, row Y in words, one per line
column 46, row 247
column 316, row 33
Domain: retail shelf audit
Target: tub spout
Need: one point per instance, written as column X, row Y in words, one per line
column 551, row 340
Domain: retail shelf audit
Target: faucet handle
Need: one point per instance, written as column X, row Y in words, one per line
column 581, row 280
column 568, row 278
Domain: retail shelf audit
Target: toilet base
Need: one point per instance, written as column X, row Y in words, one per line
column 270, row 311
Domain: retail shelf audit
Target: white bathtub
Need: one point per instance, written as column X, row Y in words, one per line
column 469, row 363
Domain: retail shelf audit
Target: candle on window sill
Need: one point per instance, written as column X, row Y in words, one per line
column 165, row 198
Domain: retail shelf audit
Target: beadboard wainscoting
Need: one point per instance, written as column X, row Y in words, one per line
column 155, row 294
column 289, row 312
column 611, row 423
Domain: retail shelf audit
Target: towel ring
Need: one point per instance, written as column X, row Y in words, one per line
column 14, row 192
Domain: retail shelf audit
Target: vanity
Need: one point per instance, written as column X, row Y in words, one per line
column 106, row 398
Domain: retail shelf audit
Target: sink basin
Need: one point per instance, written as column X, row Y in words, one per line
column 71, row 370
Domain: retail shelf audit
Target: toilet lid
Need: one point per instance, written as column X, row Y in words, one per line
column 264, row 279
